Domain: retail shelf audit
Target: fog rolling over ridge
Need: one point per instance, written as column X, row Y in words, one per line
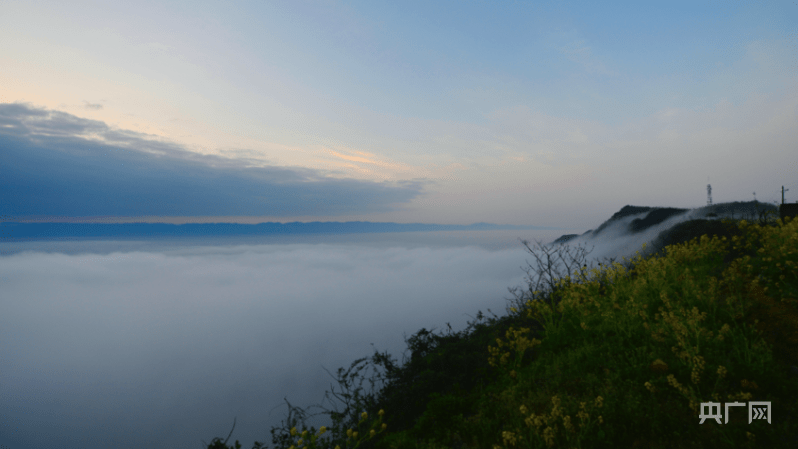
column 623, row 235
column 161, row 344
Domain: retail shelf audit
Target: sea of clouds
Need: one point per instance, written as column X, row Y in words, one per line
column 162, row 344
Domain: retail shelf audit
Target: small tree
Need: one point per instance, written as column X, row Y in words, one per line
column 542, row 278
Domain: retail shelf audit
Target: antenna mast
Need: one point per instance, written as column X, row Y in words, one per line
column 782, row 193
column 709, row 193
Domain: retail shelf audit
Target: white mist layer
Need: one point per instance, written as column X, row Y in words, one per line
column 146, row 349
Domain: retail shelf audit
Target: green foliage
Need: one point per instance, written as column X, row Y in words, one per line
column 443, row 416
column 619, row 356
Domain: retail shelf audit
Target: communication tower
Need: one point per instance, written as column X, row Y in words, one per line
column 709, row 194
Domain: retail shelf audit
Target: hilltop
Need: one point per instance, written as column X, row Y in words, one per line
column 647, row 217
column 661, row 226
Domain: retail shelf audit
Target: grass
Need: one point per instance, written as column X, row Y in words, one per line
column 618, row 356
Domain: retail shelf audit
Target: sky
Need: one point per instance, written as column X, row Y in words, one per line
column 454, row 112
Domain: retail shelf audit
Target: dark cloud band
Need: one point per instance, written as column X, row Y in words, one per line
column 53, row 164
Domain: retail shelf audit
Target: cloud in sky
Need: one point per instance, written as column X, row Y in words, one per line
column 57, row 164
column 88, row 105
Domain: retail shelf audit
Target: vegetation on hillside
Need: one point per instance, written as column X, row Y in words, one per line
column 622, row 355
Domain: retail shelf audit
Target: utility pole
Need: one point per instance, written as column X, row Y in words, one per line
column 782, row 193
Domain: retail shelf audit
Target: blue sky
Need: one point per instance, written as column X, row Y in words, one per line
column 529, row 113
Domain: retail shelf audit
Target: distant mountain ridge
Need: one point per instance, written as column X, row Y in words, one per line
column 13, row 231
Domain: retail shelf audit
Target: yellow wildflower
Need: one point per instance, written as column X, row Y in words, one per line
column 509, row 438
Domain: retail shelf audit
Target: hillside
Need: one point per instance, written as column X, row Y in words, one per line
column 621, row 356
